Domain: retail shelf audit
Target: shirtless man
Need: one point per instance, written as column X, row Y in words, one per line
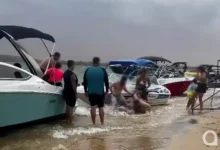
column 53, row 60
column 116, row 90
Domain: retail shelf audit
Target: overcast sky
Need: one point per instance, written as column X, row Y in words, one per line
column 179, row 30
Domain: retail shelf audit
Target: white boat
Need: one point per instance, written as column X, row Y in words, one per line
column 28, row 97
column 158, row 94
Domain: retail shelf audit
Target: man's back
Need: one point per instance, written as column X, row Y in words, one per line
column 95, row 80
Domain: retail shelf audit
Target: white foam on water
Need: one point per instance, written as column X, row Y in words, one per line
column 83, row 109
column 64, row 134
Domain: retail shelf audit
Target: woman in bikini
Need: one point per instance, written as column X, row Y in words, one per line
column 142, row 84
column 202, row 86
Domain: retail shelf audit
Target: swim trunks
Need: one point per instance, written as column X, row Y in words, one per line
column 97, row 100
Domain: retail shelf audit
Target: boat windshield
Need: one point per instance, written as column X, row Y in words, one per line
column 168, row 72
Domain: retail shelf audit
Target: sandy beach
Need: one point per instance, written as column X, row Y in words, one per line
column 192, row 139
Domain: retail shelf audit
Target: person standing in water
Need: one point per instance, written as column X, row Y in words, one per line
column 116, row 90
column 70, row 89
column 141, row 82
column 94, row 80
column 201, row 88
column 52, row 60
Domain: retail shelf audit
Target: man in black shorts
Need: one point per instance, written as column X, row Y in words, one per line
column 70, row 89
column 95, row 78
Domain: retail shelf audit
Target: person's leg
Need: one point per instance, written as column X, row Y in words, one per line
column 100, row 100
column 70, row 114
column 193, row 100
column 189, row 103
column 200, row 102
column 93, row 108
column 93, row 114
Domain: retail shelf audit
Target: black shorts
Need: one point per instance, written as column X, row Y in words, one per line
column 202, row 87
column 96, row 100
column 70, row 99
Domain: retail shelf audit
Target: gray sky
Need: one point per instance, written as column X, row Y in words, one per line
column 180, row 30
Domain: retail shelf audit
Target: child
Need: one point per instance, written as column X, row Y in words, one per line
column 191, row 92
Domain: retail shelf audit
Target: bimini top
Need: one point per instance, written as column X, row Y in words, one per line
column 155, row 59
column 127, row 63
column 18, row 32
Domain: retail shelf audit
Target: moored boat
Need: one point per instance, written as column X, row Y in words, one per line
column 26, row 97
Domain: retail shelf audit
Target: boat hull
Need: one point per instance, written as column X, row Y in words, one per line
column 177, row 86
column 22, row 107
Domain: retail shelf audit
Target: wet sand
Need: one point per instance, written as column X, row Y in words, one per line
column 192, row 139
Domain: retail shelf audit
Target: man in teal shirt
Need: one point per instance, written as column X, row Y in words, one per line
column 95, row 78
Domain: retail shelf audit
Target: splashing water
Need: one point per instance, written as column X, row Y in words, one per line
column 62, row 133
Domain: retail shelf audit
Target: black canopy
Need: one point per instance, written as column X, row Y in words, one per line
column 155, row 58
column 18, row 32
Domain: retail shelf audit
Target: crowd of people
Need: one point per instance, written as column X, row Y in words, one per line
column 96, row 87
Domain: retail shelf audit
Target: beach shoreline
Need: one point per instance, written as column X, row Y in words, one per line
column 192, row 139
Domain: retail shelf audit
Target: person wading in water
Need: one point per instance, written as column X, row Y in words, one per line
column 141, row 82
column 116, row 90
column 94, row 80
column 201, row 88
column 70, row 89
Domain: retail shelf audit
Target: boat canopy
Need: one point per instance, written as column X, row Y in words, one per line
column 14, row 33
column 155, row 59
column 127, row 63
column 130, row 67
column 18, row 32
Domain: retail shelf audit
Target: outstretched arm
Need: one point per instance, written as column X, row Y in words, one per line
column 126, row 90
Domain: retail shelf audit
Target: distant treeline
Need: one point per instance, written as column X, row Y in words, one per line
column 10, row 58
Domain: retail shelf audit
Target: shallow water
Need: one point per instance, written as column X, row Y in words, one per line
column 121, row 131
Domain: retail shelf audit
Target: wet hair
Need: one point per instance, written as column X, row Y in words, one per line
column 58, row 65
column 70, row 63
column 194, row 80
column 57, row 54
column 123, row 79
column 17, row 65
column 201, row 69
column 96, row 60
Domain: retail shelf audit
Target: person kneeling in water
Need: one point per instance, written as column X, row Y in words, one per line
column 139, row 105
column 116, row 90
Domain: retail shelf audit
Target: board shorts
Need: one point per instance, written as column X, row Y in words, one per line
column 70, row 99
column 97, row 100
column 202, row 87
column 121, row 101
